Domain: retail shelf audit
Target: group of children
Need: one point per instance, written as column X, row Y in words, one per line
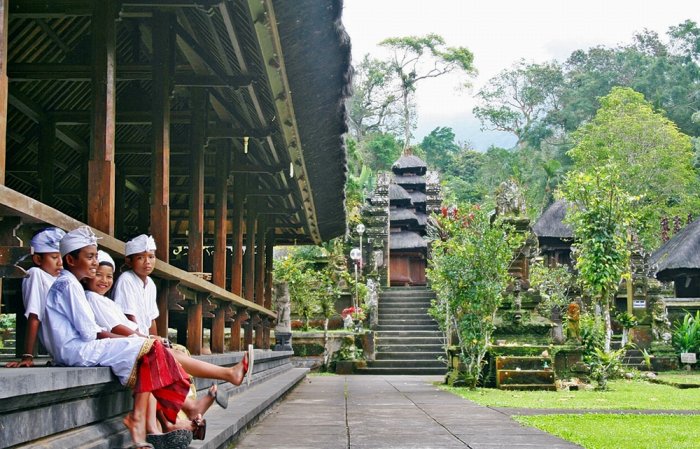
column 65, row 304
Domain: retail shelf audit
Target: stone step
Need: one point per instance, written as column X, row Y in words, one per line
column 403, row 371
column 416, row 327
column 408, row 322
column 413, row 363
column 402, row 308
column 408, row 340
column 408, row 333
column 435, row 347
column 404, row 301
column 407, row 294
column 414, row 355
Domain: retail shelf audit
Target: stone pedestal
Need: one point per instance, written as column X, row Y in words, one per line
column 283, row 341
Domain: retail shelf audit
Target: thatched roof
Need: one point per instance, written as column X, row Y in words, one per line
column 404, row 216
column 410, row 180
column 417, row 197
column 407, row 240
column 398, row 196
column 679, row 255
column 551, row 222
column 409, row 164
column 317, row 56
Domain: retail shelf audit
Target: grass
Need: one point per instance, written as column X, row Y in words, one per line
column 623, row 395
column 621, row 431
column 680, row 377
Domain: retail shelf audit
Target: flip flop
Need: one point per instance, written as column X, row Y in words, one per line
column 221, row 399
column 141, row 445
column 177, row 439
column 248, row 367
column 200, row 429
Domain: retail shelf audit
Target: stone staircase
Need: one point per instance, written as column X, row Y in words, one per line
column 407, row 340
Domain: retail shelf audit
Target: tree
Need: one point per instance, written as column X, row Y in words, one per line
column 381, row 150
column 416, row 58
column 469, row 272
column 440, row 148
column 519, row 99
column 654, row 159
column 601, row 216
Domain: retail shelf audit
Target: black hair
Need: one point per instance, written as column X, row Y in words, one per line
column 74, row 254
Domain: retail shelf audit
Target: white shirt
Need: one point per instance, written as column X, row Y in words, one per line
column 137, row 299
column 72, row 332
column 108, row 315
column 34, row 289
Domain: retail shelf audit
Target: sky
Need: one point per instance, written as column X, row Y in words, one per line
column 499, row 33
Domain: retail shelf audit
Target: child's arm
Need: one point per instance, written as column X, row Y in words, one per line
column 154, row 329
column 28, row 357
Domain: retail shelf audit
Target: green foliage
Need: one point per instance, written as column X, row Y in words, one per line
column 469, row 272
column 626, row 320
column 654, row 161
column 606, row 365
column 686, row 334
column 348, row 350
column 554, row 285
column 7, row 321
column 440, row 148
column 382, row 150
column 592, row 335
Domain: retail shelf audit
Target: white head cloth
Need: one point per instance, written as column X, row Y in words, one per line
column 140, row 244
column 47, row 241
column 103, row 257
column 77, row 239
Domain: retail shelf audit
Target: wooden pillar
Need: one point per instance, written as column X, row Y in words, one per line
column 239, row 183
column 269, row 261
column 266, row 333
column 218, row 325
column 47, row 140
column 234, row 344
column 249, row 265
column 249, row 326
column 101, row 170
column 4, row 15
column 260, row 333
column 194, row 325
column 120, row 199
column 260, row 260
column 223, row 156
column 162, row 69
column 195, row 255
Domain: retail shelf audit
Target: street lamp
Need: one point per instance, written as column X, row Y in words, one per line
column 356, row 256
column 360, row 228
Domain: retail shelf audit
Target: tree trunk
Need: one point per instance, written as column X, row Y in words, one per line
column 325, row 342
column 606, row 316
column 406, row 118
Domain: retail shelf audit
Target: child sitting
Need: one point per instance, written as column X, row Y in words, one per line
column 46, row 257
column 75, row 339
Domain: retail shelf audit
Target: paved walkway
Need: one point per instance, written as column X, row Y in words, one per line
column 348, row 412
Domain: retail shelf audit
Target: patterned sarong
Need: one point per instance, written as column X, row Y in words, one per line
column 161, row 375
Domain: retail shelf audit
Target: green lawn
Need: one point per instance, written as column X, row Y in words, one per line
column 680, row 377
column 621, row 431
column 623, row 395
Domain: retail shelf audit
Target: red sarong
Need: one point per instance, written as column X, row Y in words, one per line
column 161, row 375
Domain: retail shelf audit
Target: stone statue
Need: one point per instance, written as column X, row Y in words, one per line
column 372, row 301
column 573, row 317
column 510, row 199
column 660, row 324
column 282, row 305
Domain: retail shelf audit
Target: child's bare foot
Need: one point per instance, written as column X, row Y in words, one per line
column 237, row 371
column 136, row 426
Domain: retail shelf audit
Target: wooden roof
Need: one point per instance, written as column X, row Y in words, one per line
column 551, row 222
column 277, row 72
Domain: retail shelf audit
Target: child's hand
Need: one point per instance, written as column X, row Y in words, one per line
column 26, row 362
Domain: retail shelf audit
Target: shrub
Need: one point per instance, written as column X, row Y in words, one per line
column 686, row 335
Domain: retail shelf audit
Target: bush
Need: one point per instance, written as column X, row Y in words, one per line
column 686, row 335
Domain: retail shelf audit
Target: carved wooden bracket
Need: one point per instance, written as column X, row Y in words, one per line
column 11, row 249
column 176, row 298
column 209, row 304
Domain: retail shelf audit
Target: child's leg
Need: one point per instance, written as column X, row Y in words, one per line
column 136, row 420
column 198, row 368
column 194, row 407
column 152, row 425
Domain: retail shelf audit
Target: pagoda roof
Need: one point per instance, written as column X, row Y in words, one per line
column 409, row 163
column 407, row 240
column 679, row 255
column 551, row 222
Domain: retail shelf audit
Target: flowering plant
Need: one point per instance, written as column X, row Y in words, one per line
column 355, row 312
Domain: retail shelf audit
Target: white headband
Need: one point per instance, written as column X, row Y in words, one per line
column 103, row 257
column 140, row 244
column 77, row 239
column 47, row 241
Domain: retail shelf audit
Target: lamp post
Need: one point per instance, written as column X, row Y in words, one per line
column 356, row 256
column 360, row 228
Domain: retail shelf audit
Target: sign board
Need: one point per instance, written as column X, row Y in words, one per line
column 639, row 304
column 688, row 357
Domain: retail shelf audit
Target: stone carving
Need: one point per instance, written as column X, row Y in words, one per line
column 372, row 301
column 509, row 199
column 573, row 316
column 282, row 305
column 660, row 324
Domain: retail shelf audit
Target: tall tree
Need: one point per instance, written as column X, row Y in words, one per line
column 440, row 148
column 416, row 58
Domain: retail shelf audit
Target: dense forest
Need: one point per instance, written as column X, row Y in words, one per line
column 641, row 99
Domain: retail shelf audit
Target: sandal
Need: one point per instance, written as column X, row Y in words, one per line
column 177, row 439
column 221, row 399
column 140, row 445
column 248, row 364
column 200, row 429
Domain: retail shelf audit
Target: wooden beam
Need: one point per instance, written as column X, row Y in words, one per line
column 249, row 264
column 163, row 60
column 260, row 260
column 4, row 31
column 223, row 156
column 46, row 157
column 239, row 186
column 68, row 117
column 184, row 170
column 101, row 169
column 195, row 255
column 269, row 261
column 34, row 9
column 230, row 132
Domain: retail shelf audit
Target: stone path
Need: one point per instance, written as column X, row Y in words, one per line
column 348, row 412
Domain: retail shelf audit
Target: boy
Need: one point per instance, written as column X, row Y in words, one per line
column 135, row 292
column 46, row 257
column 75, row 339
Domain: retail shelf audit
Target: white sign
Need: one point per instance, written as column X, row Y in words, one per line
column 688, row 357
column 639, row 304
